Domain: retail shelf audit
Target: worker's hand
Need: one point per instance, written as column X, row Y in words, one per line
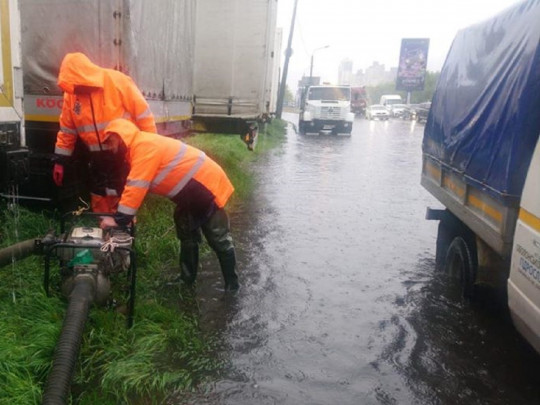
column 58, row 174
column 108, row 222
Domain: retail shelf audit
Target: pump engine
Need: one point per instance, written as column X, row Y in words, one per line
column 94, row 253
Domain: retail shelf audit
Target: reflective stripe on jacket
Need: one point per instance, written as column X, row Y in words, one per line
column 163, row 166
column 117, row 97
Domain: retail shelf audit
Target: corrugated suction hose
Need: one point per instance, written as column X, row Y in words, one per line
column 15, row 252
column 58, row 384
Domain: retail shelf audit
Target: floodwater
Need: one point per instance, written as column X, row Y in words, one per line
column 340, row 302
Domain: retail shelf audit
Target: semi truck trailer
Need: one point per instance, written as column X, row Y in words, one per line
column 154, row 45
column 152, row 42
column 236, row 63
column 160, row 44
column 481, row 160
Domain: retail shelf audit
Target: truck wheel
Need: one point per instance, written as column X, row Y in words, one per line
column 460, row 265
column 343, row 131
column 301, row 127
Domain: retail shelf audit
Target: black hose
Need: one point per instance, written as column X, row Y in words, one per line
column 17, row 251
column 58, row 384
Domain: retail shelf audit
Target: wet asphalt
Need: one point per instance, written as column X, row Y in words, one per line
column 341, row 302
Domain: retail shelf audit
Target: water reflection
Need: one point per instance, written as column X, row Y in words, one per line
column 340, row 303
column 471, row 346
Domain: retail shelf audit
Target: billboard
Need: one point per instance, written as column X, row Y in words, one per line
column 412, row 64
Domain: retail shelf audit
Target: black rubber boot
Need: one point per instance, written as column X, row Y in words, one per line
column 227, row 260
column 189, row 262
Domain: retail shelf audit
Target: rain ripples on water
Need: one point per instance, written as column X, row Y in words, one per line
column 341, row 303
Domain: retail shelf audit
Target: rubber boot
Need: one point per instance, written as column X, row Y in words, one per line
column 227, row 261
column 189, row 262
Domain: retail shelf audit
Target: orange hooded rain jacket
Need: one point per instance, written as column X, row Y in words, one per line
column 117, row 97
column 164, row 166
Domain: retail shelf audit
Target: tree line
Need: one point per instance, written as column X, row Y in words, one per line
column 375, row 92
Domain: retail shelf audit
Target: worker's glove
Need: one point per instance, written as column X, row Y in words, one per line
column 107, row 222
column 58, row 174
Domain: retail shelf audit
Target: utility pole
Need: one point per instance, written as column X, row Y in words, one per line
column 288, row 53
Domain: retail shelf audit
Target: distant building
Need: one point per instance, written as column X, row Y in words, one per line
column 345, row 72
column 373, row 75
column 358, row 79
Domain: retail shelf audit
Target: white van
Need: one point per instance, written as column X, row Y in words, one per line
column 388, row 99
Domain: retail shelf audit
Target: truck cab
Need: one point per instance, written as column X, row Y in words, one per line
column 524, row 280
column 359, row 100
column 326, row 109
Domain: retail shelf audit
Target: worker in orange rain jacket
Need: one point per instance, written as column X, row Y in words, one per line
column 93, row 96
column 198, row 185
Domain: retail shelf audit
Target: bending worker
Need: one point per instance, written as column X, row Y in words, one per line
column 93, row 96
column 198, row 185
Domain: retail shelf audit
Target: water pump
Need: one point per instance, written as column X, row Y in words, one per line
column 88, row 257
column 98, row 255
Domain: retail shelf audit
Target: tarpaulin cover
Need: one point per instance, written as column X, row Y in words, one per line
column 152, row 41
column 485, row 114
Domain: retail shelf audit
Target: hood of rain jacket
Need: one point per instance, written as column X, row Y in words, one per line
column 77, row 70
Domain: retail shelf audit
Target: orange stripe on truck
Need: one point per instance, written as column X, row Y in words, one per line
column 529, row 219
column 484, row 207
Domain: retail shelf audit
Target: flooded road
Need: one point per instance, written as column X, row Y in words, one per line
column 340, row 301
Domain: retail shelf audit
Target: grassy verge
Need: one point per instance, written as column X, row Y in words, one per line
column 164, row 352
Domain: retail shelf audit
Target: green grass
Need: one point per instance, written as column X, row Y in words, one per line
column 164, row 352
column 230, row 152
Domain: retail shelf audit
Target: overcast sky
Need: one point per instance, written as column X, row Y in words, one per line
column 371, row 30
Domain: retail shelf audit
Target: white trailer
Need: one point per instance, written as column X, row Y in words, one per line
column 154, row 42
column 235, row 59
column 151, row 41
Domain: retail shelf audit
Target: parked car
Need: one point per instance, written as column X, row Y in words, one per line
column 409, row 113
column 377, row 111
column 416, row 112
column 422, row 111
column 397, row 110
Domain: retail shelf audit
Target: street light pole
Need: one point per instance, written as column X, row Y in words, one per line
column 288, row 53
column 311, row 66
column 311, row 71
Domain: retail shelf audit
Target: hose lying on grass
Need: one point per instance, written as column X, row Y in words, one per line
column 17, row 251
column 58, row 384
